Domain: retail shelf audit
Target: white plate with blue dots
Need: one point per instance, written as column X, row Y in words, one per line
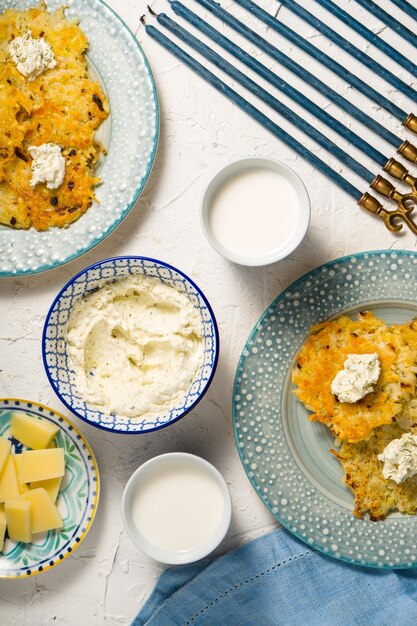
column 285, row 455
column 130, row 135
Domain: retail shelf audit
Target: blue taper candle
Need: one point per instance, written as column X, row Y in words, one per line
column 278, row 82
column 351, row 49
column 367, row 34
column 255, row 113
column 366, row 201
column 266, row 97
column 300, row 71
column 390, row 21
column 407, row 8
column 324, row 59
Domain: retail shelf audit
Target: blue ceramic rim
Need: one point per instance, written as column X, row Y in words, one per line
column 200, row 293
column 140, row 187
column 280, row 296
column 31, row 405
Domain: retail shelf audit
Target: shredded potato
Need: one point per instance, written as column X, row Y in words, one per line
column 364, row 428
column 322, row 357
column 374, row 494
column 61, row 106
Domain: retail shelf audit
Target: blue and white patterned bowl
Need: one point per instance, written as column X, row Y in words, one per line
column 54, row 350
column 130, row 135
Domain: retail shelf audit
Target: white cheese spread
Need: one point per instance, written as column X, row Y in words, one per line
column 31, row 56
column 135, row 346
column 48, row 165
column 356, row 380
column 400, row 458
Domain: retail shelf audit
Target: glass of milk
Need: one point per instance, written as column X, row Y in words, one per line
column 255, row 211
column 176, row 508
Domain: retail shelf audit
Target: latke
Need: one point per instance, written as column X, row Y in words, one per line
column 373, row 493
column 366, row 427
column 322, row 356
column 61, row 106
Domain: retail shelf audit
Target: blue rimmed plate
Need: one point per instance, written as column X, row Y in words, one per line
column 130, row 135
column 54, row 348
column 77, row 500
column 286, row 457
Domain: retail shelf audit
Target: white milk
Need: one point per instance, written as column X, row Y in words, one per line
column 254, row 212
column 178, row 507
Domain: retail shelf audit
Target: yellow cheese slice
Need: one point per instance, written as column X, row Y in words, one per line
column 34, row 465
column 45, row 515
column 3, row 525
column 51, row 486
column 18, row 517
column 9, row 487
column 32, row 432
column 22, row 486
column 4, row 452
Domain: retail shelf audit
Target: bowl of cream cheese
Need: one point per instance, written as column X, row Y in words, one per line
column 130, row 344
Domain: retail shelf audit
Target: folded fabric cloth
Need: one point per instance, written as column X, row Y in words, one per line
column 277, row 580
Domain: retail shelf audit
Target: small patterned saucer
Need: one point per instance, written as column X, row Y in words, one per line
column 285, row 455
column 77, row 501
column 130, row 136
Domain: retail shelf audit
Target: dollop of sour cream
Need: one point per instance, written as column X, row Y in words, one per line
column 400, row 458
column 31, row 56
column 360, row 372
column 48, row 165
column 135, row 346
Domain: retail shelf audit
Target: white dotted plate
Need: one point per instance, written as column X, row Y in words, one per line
column 285, row 455
column 130, row 135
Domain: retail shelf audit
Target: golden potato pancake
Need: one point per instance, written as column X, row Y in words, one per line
column 322, row 356
column 373, row 493
column 61, row 106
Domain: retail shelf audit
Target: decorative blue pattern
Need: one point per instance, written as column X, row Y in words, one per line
column 54, row 351
column 285, row 455
column 77, row 501
column 130, row 136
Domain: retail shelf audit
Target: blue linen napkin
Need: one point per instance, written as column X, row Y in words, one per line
column 277, row 580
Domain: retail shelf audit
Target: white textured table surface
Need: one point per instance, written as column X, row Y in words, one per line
column 108, row 579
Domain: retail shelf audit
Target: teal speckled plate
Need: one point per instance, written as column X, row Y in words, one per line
column 286, row 457
column 77, row 500
column 130, row 135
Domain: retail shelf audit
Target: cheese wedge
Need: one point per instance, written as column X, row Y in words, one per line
column 45, row 515
column 22, row 486
column 4, row 452
column 3, row 525
column 32, row 432
column 9, row 486
column 18, row 518
column 51, row 486
column 36, row 465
